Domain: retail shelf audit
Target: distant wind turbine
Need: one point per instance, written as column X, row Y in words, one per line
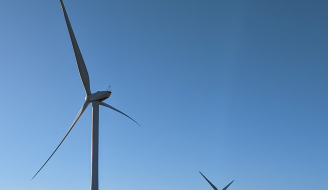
column 95, row 98
column 225, row 188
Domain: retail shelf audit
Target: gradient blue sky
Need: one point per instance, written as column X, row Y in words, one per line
column 235, row 89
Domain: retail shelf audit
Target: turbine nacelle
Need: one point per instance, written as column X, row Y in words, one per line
column 98, row 96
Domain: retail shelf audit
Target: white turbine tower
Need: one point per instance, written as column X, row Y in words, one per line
column 225, row 188
column 94, row 98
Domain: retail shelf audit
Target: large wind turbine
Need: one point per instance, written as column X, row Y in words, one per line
column 225, row 188
column 95, row 98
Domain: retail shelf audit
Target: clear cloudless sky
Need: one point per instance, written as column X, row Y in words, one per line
column 236, row 89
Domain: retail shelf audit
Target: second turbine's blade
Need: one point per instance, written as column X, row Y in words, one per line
column 226, row 187
column 85, row 105
column 78, row 56
column 209, row 182
column 106, row 105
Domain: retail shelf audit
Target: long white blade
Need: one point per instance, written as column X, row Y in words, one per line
column 85, row 105
column 209, row 182
column 226, row 187
column 106, row 105
column 78, row 56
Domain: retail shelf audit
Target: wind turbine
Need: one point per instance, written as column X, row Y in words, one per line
column 225, row 188
column 95, row 98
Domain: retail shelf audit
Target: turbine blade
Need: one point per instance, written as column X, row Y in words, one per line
column 85, row 105
column 226, row 187
column 106, row 105
column 78, row 56
column 209, row 182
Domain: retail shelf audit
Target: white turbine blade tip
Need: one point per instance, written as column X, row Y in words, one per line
column 111, row 107
column 83, row 108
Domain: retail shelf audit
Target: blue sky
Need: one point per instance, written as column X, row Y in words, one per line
column 235, row 89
